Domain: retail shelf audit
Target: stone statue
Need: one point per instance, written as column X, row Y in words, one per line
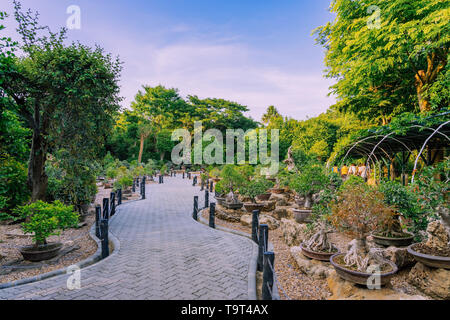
column 290, row 160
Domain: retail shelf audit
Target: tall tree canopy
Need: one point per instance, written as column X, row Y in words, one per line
column 388, row 56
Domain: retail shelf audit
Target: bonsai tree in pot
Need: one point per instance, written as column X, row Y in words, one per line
column 232, row 180
column 254, row 188
column 318, row 246
column 405, row 204
column 308, row 182
column 432, row 189
column 358, row 211
column 43, row 220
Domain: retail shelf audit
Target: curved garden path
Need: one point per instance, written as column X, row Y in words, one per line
column 164, row 254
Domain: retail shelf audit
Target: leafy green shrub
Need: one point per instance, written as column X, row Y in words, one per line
column 255, row 187
column 46, row 219
column 123, row 182
column 220, row 188
column 163, row 169
column 405, row 202
column 431, row 191
column 309, row 181
column 231, row 177
column 111, row 172
column 13, row 183
column 215, row 173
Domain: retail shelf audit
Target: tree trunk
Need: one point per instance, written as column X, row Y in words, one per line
column 37, row 179
column 424, row 103
column 308, row 201
column 141, row 149
column 161, row 155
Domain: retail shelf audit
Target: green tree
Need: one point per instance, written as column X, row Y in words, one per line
column 388, row 66
column 66, row 93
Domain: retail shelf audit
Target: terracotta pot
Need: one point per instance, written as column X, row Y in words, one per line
column 396, row 242
column 250, row 207
column 361, row 277
column 41, row 252
column 264, row 197
column 428, row 259
column 321, row 256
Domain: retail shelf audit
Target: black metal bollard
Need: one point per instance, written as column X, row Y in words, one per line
column 105, row 208
column 183, row 174
column 194, row 181
column 162, row 179
column 255, row 224
column 143, row 190
column 212, row 215
column 134, row 185
column 269, row 259
column 195, row 213
column 206, row 198
column 202, row 185
column 105, row 238
column 262, row 244
column 112, row 201
column 211, row 186
column 119, row 197
column 98, row 217
column 137, row 181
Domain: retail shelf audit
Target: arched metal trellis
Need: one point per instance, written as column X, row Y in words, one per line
column 423, row 147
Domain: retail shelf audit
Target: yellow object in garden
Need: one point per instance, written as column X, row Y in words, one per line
column 344, row 170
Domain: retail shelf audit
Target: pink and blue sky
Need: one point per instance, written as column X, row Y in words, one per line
column 255, row 52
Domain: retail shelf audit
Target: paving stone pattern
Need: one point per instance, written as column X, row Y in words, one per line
column 164, row 254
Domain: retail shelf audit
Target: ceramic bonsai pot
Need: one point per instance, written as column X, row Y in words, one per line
column 41, row 252
column 264, row 196
column 232, row 206
column 428, row 259
column 361, row 277
column 396, row 242
column 220, row 200
column 302, row 215
column 250, row 207
column 321, row 256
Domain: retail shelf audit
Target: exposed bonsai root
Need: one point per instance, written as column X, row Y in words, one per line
column 319, row 241
column 358, row 256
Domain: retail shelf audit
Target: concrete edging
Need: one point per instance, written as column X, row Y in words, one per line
column 96, row 257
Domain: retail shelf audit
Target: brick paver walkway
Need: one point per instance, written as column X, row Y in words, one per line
column 164, row 254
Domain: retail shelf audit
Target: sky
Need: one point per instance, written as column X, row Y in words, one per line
column 254, row 52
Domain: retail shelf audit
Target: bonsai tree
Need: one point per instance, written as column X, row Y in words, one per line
column 309, row 181
column 358, row 211
column 254, row 188
column 123, row 182
column 220, row 188
column 46, row 219
column 111, row 173
column 405, row 203
column 232, row 180
column 319, row 241
column 215, row 173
